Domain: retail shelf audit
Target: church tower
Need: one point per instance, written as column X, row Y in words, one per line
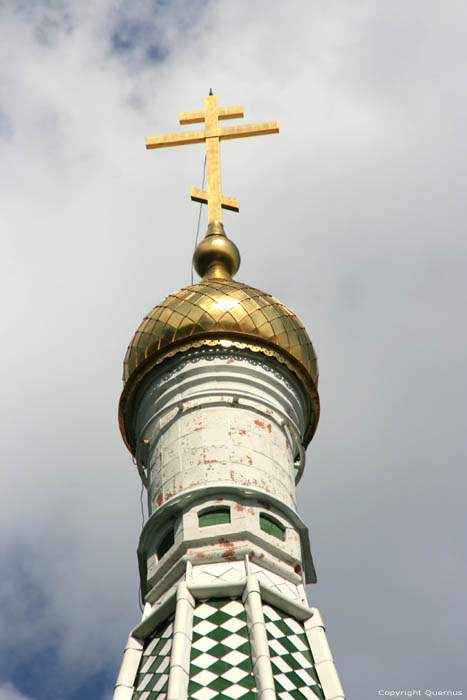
column 219, row 403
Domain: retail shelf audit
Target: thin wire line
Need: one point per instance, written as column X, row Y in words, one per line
column 140, row 602
column 142, row 506
column 199, row 216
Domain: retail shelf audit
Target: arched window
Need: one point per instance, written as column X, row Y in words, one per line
column 216, row 515
column 272, row 526
column 165, row 544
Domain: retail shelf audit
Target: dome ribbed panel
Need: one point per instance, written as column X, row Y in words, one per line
column 217, row 306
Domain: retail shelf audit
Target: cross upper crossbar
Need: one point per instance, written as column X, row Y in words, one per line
column 222, row 113
column 212, row 134
column 229, row 132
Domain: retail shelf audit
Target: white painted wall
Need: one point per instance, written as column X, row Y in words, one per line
column 207, row 443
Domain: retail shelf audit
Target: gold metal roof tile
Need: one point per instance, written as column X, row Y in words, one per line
column 239, row 295
column 247, row 326
column 148, row 326
column 185, row 308
column 215, row 312
column 287, row 322
column 250, row 305
column 277, row 326
column 258, row 317
column 163, row 313
column 239, row 313
column 294, row 344
column 204, row 324
column 282, row 339
column 229, row 322
column 195, row 314
column 266, row 331
column 175, row 320
column 270, row 312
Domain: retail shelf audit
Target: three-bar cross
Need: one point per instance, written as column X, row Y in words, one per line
column 212, row 134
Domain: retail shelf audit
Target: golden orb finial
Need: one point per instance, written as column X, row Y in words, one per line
column 216, row 256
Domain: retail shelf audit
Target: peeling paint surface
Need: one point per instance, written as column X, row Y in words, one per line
column 211, row 441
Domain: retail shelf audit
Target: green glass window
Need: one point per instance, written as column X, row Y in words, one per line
column 272, row 526
column 218, row 515
column 165, row 544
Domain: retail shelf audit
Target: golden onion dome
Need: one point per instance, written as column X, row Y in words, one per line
column 220, row 311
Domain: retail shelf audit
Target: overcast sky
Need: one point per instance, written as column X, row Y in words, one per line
column 354, row 216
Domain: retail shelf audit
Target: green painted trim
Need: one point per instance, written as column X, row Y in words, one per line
column 217, row 515
column 272, row 526
column 166, row 543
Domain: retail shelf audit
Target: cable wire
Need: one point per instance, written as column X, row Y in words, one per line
column 140, row 601
column 199, row 216
column 142, row 506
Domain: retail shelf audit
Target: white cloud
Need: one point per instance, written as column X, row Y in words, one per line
column 9, row 692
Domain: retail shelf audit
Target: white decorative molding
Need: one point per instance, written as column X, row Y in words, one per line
column 324, row 663
column 219, row 572
column 158, row 614
column 292, row 607
column 216, row 590
column 128, row 669
column 179, row 674
column 258, row 639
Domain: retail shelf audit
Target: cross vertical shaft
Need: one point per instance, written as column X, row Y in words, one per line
column 213, row 167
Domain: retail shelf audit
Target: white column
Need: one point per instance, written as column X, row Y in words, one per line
column 258, row 640
column 179, row 674
column 324, row 663
column 128, row 669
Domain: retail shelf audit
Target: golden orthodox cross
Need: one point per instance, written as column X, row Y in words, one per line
column 212, row 134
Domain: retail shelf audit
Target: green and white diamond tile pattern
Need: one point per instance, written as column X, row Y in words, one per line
column 220, row 666
column 153, row 673
column 292, row 663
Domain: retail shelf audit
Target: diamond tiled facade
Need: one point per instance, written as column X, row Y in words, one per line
column 153, row 673
column 220, row 667
column 292, row 663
